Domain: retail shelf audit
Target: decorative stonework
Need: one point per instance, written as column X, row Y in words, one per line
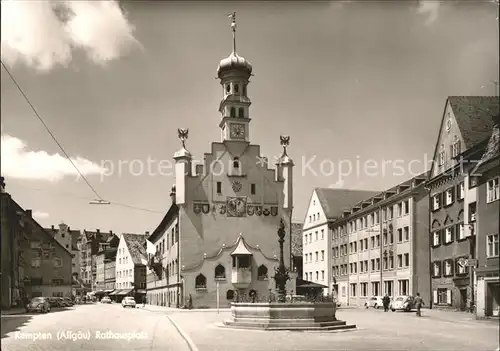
column 237, row 186
column 237, row 206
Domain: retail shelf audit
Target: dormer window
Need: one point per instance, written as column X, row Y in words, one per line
column 236, row 88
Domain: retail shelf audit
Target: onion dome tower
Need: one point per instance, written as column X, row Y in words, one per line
column 234, row 73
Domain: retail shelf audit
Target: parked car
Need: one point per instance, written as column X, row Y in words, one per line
column 53, row 301
column 69, row 301
column 128, row 301
column 403, row 303
column 38, row 304
column 106, row 299
column 63, row 302
column 375, row 302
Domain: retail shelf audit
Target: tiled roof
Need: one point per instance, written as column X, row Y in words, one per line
column 474, row 116
column 493, row 148
column 136, row 247
column 165, row 222
column 75, row 236
column 334, row 201
column 297, row 239
column 99, row 236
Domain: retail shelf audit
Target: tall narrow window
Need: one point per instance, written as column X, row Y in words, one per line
column 241, row 112
column 245, row 90
column 219, row 188
column 252, row 189
column 233, row 112
column 228, row 88
column 236, row 162
column 236, row 88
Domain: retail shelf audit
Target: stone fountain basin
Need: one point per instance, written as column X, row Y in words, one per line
column 298, row 316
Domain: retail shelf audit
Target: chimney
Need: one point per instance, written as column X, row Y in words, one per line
column 147, row 233
column 28, row 213
column 98, row 231
column 52, row 227
column 68, row 229
column 172, row 194
column 2, row 185
column 111, row 232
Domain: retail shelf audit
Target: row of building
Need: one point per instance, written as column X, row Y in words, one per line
column 436, row 234
column 63, row 262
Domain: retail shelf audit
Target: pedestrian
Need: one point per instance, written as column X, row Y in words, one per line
column 386, row 301
column 419, row 302
column 144, row 302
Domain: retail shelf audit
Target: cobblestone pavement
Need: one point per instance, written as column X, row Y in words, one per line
column 377, row 330
column 154, row 330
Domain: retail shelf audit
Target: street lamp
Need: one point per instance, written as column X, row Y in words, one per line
column 281, row 275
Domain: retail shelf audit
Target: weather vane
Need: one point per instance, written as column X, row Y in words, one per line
column 183, row 135
column 285, row 141
column 232, row 16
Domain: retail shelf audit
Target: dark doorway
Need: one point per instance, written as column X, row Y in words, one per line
column 463, row 299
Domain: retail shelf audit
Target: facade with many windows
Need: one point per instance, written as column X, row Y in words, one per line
column 131, row 264
column 378, row 245
column 325, row 206
column 463, row 135
column 487, row 177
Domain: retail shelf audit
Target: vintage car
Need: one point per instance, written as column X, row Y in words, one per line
column 38, row 304
column 106, row 299
column 128, row 301
column 403, row 303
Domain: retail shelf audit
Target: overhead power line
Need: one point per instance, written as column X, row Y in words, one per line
column 48, row 130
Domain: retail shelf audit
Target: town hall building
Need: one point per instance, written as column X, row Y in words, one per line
column 220, row 235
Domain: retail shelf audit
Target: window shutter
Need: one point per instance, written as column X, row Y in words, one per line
column 435, row 297
column 452, row 236
column 452, row 267
column 439, row 264
column 442, row 237
column 448, row 297
column 452, row 190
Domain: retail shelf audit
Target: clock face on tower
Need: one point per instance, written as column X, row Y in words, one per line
column 237, row 131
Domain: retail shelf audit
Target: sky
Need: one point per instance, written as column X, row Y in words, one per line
column 350, row 83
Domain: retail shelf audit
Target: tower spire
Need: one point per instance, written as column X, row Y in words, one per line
column 232, row 16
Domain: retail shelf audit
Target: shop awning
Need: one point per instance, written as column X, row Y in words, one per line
column 114, row 292
column 108, row 291
column 141, row 291
column 124, row 292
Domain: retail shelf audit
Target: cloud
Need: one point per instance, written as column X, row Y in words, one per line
column 40, row 215
column 339, row 185
column 43, row 34
column 20, row 163
column 429, row 8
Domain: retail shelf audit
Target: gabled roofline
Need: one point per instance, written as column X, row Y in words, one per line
column 437, row 139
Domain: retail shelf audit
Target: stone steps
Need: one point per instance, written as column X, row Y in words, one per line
column 289, row 325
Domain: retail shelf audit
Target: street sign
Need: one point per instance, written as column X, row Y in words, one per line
column 467, row 262
column 471, row 262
